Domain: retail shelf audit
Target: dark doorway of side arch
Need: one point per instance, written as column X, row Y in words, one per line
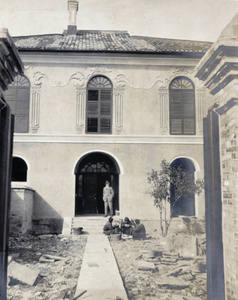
column 185, row 206
column 91, row 173
column 19, row 169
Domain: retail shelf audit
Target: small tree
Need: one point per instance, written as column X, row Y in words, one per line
column 160, row 184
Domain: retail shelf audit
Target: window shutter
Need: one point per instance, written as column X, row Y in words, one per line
column 10, row 96
column 182, row 106
column 105, row 125
column 17, row 96
column 176, row 112
column 106, row 95
column 105, row 110
column 99, row 105
column 188, row 126
column 176, row 126
column 22, row 110
column 92, row 108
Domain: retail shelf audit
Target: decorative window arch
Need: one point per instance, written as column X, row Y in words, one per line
column 182, row 106
column 18, row 98
column 99, row 106
column 19, row 169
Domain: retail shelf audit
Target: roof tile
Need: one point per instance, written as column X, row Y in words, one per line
column 108, row 41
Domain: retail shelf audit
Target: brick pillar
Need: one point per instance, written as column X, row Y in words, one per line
column 229, row 170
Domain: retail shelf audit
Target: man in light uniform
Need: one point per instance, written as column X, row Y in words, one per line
column 108, row 194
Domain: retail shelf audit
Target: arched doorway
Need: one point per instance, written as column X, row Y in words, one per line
column 19, row 169
column 90, row 174
column 185, row 205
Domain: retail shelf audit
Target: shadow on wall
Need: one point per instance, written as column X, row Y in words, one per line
column 21, row 210
column 45, row 220
column 31, row 213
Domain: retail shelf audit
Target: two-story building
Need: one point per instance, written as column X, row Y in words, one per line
column 104, row 105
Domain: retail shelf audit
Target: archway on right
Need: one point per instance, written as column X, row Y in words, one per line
column 185, row 205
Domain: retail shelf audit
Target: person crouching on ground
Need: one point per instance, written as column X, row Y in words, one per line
column 138, row 232
column 108, row 194
column 108, row 228
column 126, row 226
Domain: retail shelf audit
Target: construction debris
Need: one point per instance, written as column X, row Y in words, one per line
column 23, row 273
column 50, row 258
column 177, row 277
column 147, row 266
column 55, row 280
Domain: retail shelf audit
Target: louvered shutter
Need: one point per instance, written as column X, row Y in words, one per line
column 188, row 112
column 22, row 110
column 18, row 99
column 10, row 96
column 105, row 111
column 92, row 111
column 176, row 125
column 182, row 108
column 99, row 106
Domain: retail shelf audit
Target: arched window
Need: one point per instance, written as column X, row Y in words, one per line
column 19, row 169
column 182, row 106
column 18, row 98
column 99, row 106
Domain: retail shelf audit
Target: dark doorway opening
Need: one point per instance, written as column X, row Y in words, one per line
column 19, row 169
column 91, row 173
column 185, row 205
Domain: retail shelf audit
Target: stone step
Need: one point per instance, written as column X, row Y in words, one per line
column 91, row 224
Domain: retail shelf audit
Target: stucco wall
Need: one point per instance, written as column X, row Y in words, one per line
column 21, row 210
column 51, row 174
column 140, row 136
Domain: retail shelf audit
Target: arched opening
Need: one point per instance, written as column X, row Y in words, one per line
column 91, row 173
column 19, row 169
column 185, row 205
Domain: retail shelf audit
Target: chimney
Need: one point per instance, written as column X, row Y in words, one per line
column 72, row 8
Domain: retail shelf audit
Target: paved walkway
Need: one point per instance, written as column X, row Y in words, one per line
column 99, row 276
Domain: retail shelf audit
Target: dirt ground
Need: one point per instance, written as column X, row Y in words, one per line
column 165, row 278
column 57, row 279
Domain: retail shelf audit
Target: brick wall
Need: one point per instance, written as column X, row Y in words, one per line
column 229, row 172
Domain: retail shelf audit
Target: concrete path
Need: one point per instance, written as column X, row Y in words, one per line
column 99, row 275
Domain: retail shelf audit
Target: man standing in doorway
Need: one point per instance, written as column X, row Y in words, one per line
column 108, row 194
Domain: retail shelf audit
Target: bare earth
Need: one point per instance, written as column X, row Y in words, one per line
column 145, row 277
column 173, row 278
column 57, row 279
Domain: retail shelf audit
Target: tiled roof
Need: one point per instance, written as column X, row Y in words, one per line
column 108, row 41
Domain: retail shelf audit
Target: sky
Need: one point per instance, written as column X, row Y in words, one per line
column 201, row 20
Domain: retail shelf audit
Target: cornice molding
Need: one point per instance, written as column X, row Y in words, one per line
column 108, row 139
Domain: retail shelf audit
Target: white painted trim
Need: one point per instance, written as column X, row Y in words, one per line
column 108, row 142
column 110, row 139
column 103, row 152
